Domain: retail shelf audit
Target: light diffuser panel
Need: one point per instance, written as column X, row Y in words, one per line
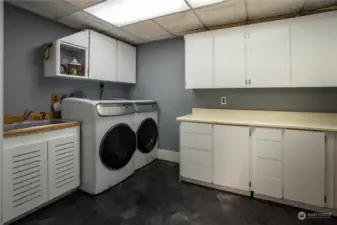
column 124, row 12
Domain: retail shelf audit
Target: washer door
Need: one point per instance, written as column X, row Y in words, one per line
column 117, row 146
column 147, row 135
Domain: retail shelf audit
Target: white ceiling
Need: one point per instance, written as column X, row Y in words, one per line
column 195, row 19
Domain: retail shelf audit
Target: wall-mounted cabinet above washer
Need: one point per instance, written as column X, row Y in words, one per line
column 92, row 56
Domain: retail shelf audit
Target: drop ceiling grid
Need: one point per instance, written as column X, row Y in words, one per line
column 207, row 17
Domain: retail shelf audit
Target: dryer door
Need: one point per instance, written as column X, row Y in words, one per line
column 147, row 135
column 117, row 146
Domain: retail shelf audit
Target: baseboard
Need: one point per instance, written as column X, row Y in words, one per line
column 168, row 155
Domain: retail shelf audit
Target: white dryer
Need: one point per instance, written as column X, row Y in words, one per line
column 108, row 141
column 146, row 126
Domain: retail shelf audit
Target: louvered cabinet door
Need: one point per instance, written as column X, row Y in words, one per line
column 25, row 179
column 63, row 162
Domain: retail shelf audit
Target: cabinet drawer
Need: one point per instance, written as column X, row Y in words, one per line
column 268, row 134
column 197, row 128
column 268, row 168
column 196, row 172
column 196, row 141
column 268, row 149
column 194, row 156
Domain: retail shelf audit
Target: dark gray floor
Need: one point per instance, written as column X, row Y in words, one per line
column 153, row 196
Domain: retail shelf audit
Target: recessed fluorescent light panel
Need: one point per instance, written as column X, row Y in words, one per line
column 200, row 3
column 124, row 12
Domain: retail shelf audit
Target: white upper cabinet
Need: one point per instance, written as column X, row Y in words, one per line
column 199, row 60
column 314, row 51
column 297, row 52
column 80, row 39
column 126, row 63
column 231, row 156
column 268, row 51
column 304, row 167
column 103, row 57
column 230, row 58
column 100, row 57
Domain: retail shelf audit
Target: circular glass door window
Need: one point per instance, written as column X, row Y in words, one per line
column 147, row 135
column 117, row 146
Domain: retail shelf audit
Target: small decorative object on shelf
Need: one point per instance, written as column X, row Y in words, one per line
column 75, row 68
column 63, row 69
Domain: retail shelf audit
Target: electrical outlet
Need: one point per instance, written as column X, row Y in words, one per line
column 223, row 100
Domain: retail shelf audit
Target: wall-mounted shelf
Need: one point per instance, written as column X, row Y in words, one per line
column 99, row 58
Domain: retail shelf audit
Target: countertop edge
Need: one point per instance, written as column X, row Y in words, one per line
column 267, row 125
column 31, row 130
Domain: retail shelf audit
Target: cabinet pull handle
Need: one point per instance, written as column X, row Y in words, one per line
column 249, row 82
column 246, row 82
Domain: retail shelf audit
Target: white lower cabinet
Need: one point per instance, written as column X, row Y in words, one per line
column 63, row 165
column 231, row 156
column 38, row 168
column 267, row 162
column 304, row 167
column 196, row 151
column 24, row 178
column 288, row 166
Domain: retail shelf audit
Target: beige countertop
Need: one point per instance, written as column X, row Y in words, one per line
column 40, row 129
column 276, row 119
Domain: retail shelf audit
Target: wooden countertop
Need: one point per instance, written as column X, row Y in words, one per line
column 41, row 128
column 276, row 119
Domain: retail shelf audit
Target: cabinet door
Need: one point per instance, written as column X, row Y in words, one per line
column 231, row 157
column 199, row 61
column 24, row 179
column 102, row 57
column 80, row 39
column 268, row 55
column 304, row 167
column 229, row 58
column 126, row 57
column 314, row 52
column 63, row 163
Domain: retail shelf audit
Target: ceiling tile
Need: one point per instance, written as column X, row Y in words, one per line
column 258, row 9
column 82, row 4
column 146, row 29
column 200, row 3
column 123, row 35
column 83, row 20
column 158, row 38
column 222, row 13
column 190, row 32
column 48, row 8
column 316, row 4
column 180, row 22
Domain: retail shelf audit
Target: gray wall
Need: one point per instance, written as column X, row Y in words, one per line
column 160, row 76
column 24, row 84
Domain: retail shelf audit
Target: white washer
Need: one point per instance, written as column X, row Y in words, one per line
column 108, row 141
column 146, row 126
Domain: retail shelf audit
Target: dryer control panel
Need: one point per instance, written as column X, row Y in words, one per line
column 115, row 109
